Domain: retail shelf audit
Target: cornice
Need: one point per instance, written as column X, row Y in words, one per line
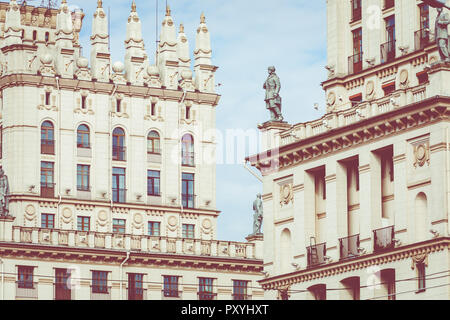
column 362, row 262
column 31, row 80
column 362, row 132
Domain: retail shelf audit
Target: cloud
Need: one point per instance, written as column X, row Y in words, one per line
column 247, row 37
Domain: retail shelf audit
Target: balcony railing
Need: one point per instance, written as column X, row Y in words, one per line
column 100, row 293
column 241, row 296
column 316, row 254
column 47, row 190
column 123, row 242
column 47, row 146
column 349, row 247
column 171, row 294
column 387, row 51
column 62, row 291
column 119, row 153
column 383, row 239
column 26, row 290
column 187, row 159
column 422, row 38
column 188, row 201
column 119, row 195
column 207, row 296
column 137, row 294
column 355, row 63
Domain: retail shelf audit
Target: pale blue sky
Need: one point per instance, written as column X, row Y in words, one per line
column 247, row 37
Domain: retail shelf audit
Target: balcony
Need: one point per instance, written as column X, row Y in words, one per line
column 62, row 291
column 119, row 195
column 137, row 294
column 241, row 297
column 207, row 296
column 168, row 294
column 187, row 159
column 387, row 51
column 26, row 290
column 47, row 190
column 316, row 254
column 422, row 39
column 124, row 242
column 188, row 201
column 119, row 153
column 383, row 239
column 355, row 63
column 47, row 146
column 100, row 293
column 349, row 247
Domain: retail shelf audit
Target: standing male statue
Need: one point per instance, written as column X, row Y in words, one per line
column 442, row 21
column 273, row 99
column 4, row 194
column 258, row 215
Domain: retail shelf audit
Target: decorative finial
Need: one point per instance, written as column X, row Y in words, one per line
column 133, row 7
column 99, row 4
column 168, row 12
column 202, row 18
column 181, row 28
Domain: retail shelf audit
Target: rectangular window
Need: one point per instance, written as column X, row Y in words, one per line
column 47, row 221
column 188, row 190
column 118, row 184
column 62, row 281
column 119, row 225
column 153, row 183
column 83, row 224
column 119, row 105
column 388, row 48
column 135, row 286
column 47, row 185
column 99, row 282
column 171, row 287
column 356, row 60
column 188, row 231
column 389, row 4
column 83, row 177
column 240, row 290
column 154, row 228
column 356, row 10
column 83, row 102
column 421, row 277
column 205, row 289
column 25, row 277
column 47, row 98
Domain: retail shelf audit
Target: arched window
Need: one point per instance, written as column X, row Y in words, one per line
column 83, row 137
column 153, row 143
column 118, row 144
column 47, row 138
column 187, row 150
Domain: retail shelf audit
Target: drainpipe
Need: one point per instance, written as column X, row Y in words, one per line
column 59, row 144
column 121, row 275
column 3, row 279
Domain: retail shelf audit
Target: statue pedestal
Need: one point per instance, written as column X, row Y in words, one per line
column 439, row 78
column 258, row 240
column 6, row 224
column 271, row 133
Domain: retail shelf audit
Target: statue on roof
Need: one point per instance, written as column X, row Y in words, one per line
column 4, row 194
column 258, row 215
column 273, row 99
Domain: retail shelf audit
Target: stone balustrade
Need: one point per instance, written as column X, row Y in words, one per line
column 138, row 243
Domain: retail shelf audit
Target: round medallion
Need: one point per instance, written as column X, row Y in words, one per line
column 286, row 191
column 102, row 215
column 421, row 152
column 138, row 218
column 172, row 221
column 403, row 76
column 67, row 213
column 207, row 224
column 30, row 210
column 370, row 87
column 331, row 98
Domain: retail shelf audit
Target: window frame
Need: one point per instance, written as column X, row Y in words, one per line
column 45, row 223
column 153, row 142
column 188, row 231
column 83, row 174
column 117, row 227
column 83, row 137
column 154, row 228
column 83, row 223
column 171, row 286
column 100, row 282
column 25, row 277
column 154, row 183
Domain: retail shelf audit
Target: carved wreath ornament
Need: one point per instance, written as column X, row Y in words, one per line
column 421, row 154
column 286, row 194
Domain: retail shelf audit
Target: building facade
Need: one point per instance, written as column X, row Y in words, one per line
column 112, row 191
column 357, row 202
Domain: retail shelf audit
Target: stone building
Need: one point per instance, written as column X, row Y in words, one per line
column 356, row 203
column 111, row 193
